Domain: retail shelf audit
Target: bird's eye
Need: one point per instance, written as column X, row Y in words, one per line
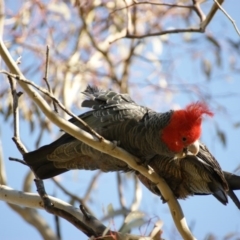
column 184, row 139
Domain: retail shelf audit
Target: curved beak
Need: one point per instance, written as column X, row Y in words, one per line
column 194, row 148
column 191, row 149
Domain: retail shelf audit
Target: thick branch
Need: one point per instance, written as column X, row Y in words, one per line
column 31, row 200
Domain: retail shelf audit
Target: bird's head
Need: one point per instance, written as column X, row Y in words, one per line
column 184, row 128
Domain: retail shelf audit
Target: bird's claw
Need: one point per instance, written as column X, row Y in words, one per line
column 163, row 200
column 115, row 144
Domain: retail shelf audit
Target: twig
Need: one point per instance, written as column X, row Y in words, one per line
column 232, row 21
column 156, row 232
column 46, row 69
column 120, row 191
column 46, row 77
column 128, row 18
column 55, row 100
column 42, row 193
column 210, row 15
column 57, row 224
column 84, row 212
column 198, row 10
column 16, row 136
column 137, row 196
column 154, row 4
column 91, row 185
column 126, row 35
column 15, row 96
column 102, row 230
column 201, row 28
column 73, row 196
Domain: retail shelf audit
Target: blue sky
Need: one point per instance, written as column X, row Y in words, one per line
column 203, row 213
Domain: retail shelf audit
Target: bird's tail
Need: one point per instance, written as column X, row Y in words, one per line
column 38, row 162
column 233, row 184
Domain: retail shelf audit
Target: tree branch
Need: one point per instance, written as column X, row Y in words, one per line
column 91, row 186
column 232, row 21
column 46, row 77
column 196, row 7
column 71, row 195
column 154, row 4
column 210, row 15
column 103, row 146
column 138, row 194
column 89, row 223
